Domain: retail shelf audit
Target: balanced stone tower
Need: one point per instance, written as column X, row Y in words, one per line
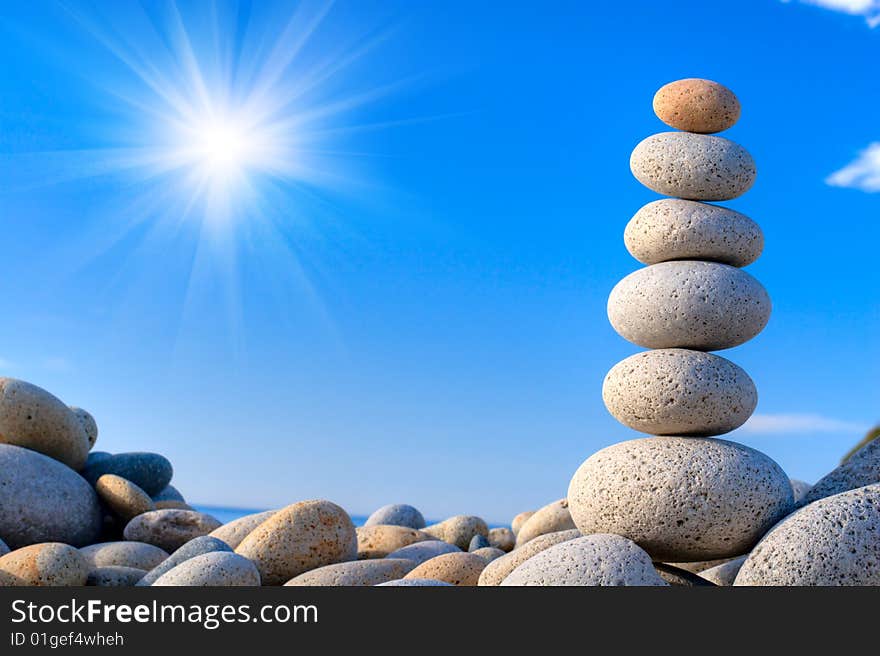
column 683, row 495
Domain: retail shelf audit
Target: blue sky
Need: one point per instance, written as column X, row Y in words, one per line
column 407, row 303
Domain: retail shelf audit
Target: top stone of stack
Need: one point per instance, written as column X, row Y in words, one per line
column 696, row 105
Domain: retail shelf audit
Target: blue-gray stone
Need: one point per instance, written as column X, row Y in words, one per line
column 170, row 493
column 149, row 471
column 478, row 542
column 422, row 551
column 397, row 514
column 97, row 456
column 195, row 547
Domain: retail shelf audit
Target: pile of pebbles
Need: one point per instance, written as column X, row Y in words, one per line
column 680, row 507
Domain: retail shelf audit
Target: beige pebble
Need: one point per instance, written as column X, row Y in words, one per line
column 459, row 530
column 725, row 573
column 696, row 105
column 90, row 426
column 169, row 529
column 498, row 569
column 237, row 530
column 502, row 538
column 355, row 573
column 45, row 564
column 172, row 504
column 379, row 540
column 519, row 520
column 124, row 553
column 115, row 576
column 123, row 497
column 455, row 568
column 299, row 538
column 552, row 518
column 488, row 553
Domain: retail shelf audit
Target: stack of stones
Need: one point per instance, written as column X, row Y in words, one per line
column 683, row 495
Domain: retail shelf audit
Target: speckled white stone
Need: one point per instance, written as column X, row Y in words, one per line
column 599, row 559
column 704, row 306
column 355, row 573
column 217, row 568
column 680, row 498
column 498, row 569
column 551, row 518
column 679, row 392
column 860, row 469
column 693, row 166
column 832, row 541
column 675, row 229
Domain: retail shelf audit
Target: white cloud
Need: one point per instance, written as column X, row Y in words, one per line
column 778, row 424
column 869, row 9
column 862, row 173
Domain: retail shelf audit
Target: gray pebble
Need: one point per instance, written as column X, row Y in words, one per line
column 195, row 547
column 397, row 514
column 860, row 469
column 424, row 551
column 114, row 576
column 217, row 568
column 149, row 471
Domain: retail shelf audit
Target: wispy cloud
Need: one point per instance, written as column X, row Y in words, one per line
column 862, row 173
column 778, row 424
column 868, row 9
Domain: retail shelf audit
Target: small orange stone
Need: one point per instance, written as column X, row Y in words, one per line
column 696, row 105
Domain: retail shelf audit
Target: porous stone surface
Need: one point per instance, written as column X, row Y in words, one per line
column 502, row 538
column 217, row 568
column 169, row 529
column 860, row 469
column 195, row 547
column 696, row 105
column 397, row 514
column 697, row 566
column 680, row 498
column 800, row 490
column 114, row 576
column 43, row 500
column 379, row 540
column 498, row 569
column 422, row 551
column 355, row 573
column 832, row 541
column 693, row 166
column 455, row 568
column 679, row 392
column 125, row 553
column 478, row 542
column 149, row 471
column 414, row 583
column 123, row 497
column 46, row 564
column 676, row 229
column 488, row 553
column 600, row 559
column 680, row 577
column 519, row 520
column 32, row 418
column 236, row 531
column 706, row 306
column 552, row 518
column 725, row 573
column 459, row 530
column 298, row 538
column 87, row 421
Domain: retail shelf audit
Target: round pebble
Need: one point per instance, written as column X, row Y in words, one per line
column 860, row 469
column 704, row 306
column 355, row 573
column 414, row 583
column 172, row 504
column 127, row 553
column 696, row 105
column 217, row 568
column 236, row 531
column 422, row 551
column 397, row 514
column 725, row 573
column 46, row 564
column 594, row 560
column 488, row 553
column 32, row 418
column 380, row 540
column 519, row 520
column 298, row 538
column 478, row 542
column 800, row 490
column 149, row 471
column 679, row 392
column 168, row 493
column 693, row 166
column 90, row 426
column 123, row 497
column 455, row 568
column 43, row 500
column 195, row 547
column 502, row 538
column 498, row 569
column 552, row 518
column 114, row 576
column 832, row 541
column 675, row 229
column 169, row 529
column 679, row 498
column 459, row 530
